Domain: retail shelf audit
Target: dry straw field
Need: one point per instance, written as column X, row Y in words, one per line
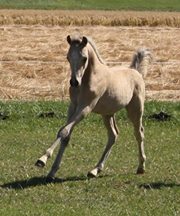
column 33, row 51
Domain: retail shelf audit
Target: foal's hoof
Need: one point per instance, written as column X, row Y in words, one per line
column 140, row 171
column 40, row 163
column 91, row 175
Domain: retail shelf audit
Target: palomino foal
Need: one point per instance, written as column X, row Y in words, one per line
column 95, row 87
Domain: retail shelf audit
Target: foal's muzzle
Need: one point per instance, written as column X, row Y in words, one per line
column 74, row 83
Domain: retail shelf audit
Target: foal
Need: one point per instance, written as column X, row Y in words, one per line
column 95, row 87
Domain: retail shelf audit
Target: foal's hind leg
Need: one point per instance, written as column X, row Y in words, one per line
column 135, row 113
column 112, row 130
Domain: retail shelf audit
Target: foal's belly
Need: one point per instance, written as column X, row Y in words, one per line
column 109, row 104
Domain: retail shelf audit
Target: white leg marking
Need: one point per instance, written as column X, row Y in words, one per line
column 41, row 162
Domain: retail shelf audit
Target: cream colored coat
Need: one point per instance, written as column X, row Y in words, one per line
column 95, row 87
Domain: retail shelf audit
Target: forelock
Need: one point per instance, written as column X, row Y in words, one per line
column 76, row 40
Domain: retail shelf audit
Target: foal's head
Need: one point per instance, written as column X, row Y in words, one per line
column 78, row 59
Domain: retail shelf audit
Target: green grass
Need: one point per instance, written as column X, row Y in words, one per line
column 118, row 191
column 161, row 5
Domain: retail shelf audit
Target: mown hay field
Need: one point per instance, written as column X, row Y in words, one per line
column 90, row 17
column 33, row 44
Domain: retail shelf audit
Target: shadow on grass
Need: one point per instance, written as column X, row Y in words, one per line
column 158, row 185
column 39, row 181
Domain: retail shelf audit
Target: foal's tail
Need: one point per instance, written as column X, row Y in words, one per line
column 141, row 60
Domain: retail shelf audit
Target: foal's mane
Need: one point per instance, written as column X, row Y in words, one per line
column 93, row 45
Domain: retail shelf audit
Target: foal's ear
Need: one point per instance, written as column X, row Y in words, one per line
column 84, row 42
column 69, row 39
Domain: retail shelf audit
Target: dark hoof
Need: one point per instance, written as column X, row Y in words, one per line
column 140, row 171
column 50, row 179
column 40, row 163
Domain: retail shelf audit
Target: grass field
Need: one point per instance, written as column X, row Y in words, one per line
column 162, row 5
column 118, row 191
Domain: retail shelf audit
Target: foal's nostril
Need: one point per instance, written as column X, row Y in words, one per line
column 74, row 83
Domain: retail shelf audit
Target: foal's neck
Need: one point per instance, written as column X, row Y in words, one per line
column 91, row 69
column 94, row 59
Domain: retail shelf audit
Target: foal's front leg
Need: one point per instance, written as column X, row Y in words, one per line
column 41, row 162
column 64, row 136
